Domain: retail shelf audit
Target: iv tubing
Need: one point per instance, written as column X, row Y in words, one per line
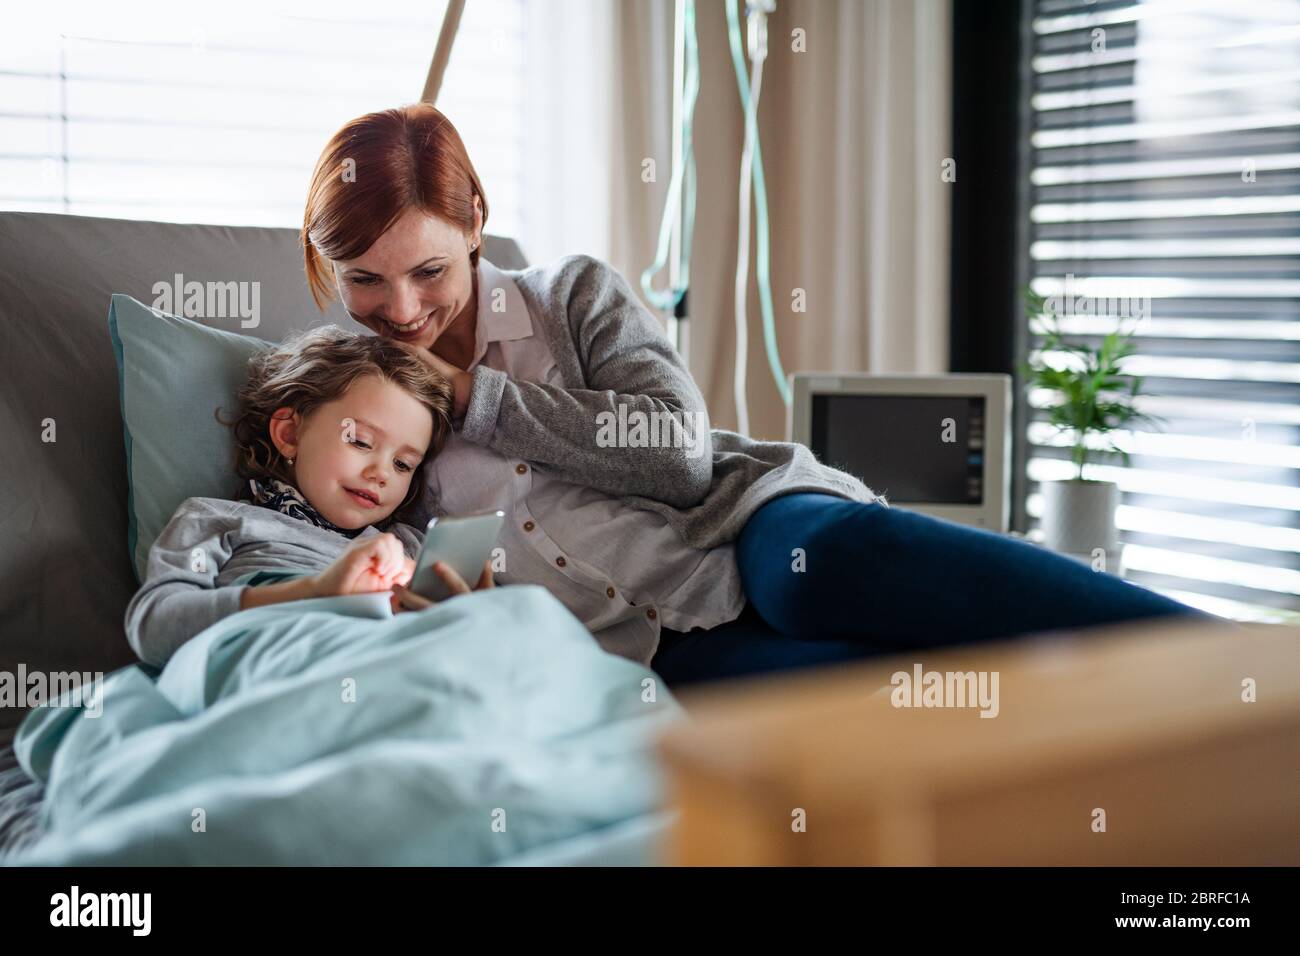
column 758, row 50
column 742, row 247
column 668, row 299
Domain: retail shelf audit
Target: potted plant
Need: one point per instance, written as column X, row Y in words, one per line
column 1092, row 397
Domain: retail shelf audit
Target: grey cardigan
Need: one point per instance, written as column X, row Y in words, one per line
column 610, row 350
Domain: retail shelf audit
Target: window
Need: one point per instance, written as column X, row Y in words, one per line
column 1164, row 154
column 217, row 112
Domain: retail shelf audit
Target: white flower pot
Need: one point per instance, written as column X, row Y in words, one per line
column 1079, row 515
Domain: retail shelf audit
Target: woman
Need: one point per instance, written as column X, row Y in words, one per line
column 698, row 551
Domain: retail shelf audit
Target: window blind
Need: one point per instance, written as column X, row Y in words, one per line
column 1163, row 148
column 217, row 113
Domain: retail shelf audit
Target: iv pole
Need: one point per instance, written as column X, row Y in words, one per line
column 442, row 52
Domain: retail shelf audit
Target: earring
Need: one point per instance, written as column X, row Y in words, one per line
column 289, row 460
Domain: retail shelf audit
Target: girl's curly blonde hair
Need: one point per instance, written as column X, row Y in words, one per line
column 310, row 369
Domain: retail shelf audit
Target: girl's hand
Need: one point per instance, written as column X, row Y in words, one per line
column 373, row 563
column 404, row 600
column 461, row 381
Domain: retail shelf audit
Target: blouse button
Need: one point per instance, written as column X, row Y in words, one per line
column 651, row 614
column 529, row 526
column 560, row 561
column 609, row 592
column 521, row 468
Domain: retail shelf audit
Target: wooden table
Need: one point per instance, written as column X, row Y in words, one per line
column 1130, row 744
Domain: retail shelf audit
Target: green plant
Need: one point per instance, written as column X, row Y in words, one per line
column 1094, row 396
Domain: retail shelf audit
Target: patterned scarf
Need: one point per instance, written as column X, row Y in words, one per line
column 286, row 499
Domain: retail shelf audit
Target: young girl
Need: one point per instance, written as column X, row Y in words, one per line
column 332, row 435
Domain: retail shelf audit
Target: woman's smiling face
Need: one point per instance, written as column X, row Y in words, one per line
column 414, row 281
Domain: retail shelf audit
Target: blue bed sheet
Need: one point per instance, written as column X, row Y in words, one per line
column 490, row 729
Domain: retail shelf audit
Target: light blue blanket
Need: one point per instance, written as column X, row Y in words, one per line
column 488, row 729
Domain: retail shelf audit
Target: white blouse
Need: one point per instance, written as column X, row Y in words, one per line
column 621, row 570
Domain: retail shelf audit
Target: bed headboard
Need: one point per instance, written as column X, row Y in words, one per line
column 65, row 574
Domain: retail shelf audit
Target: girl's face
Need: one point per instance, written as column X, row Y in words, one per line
column 415, row 281
column 354, row 456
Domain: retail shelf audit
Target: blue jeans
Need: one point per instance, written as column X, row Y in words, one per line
column 879, row 580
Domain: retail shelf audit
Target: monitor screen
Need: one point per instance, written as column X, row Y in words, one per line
column 923, row 449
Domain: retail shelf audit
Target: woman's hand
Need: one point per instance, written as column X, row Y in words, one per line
column 404, row 600
column 373, row 563
column 461, row 381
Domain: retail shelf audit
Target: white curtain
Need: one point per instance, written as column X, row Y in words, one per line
column 855, row 132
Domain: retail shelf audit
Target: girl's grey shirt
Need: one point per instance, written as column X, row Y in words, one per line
column 209, row 552
column 615, row 359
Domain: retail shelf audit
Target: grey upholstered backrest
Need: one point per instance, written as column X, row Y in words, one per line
column 65, row 574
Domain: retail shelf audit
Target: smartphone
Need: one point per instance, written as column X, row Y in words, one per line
column 462, row 543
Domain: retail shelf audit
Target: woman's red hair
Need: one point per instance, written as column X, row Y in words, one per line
column 374, row 169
